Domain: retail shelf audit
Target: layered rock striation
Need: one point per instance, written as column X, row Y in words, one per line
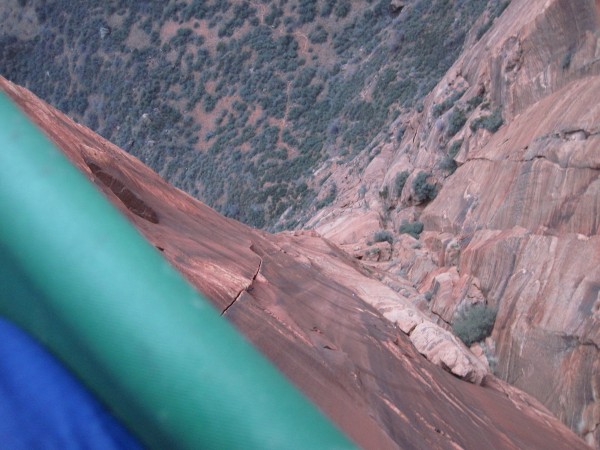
column 509, row 139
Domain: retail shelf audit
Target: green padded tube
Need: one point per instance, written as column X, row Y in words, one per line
column 80, row 278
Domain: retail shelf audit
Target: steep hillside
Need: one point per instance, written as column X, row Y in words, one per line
column 237, row 102
column 464, row 186
column 497, row 179
column 306, row 304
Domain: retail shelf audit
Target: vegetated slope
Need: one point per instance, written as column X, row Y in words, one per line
column 498, row 177
column 237, row 102
column 305, row 304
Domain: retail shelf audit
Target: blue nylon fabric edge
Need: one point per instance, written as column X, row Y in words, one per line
column 43, row 406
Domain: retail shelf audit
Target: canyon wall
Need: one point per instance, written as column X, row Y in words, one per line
column 515, row 221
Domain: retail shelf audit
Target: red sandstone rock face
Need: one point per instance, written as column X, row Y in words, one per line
column 517, row 225
column 307, row 305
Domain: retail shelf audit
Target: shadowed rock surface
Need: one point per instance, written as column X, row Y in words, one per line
column 313, row 310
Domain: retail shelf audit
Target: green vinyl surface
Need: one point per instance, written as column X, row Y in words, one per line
column 80, row 278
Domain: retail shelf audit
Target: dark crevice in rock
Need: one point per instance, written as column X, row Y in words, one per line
column 481, row 158
column 439, row 317
column 588, row 344
column 248, row 288
column 573, row 341
column 556, row 163
column 131, row 201
column 529, row 159
column 569, row 134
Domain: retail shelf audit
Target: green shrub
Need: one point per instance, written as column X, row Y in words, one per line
column 456, row 121
column 400, row 181
column 474, row 323
column 566, row 61
column 342, row 8
column 307, row 10
column 423, row 191
column 500, row 7
column 413, row 228
column 484, row 29
column 331, row 195
column 475, row 101
column 318, row 35
column 490, row 123
column 384, row 193
column 327, row 8
column 455, row 148
column 440, row 108
column 400, row 133
column 448, row 164
column 383, row 236
column 362, row 191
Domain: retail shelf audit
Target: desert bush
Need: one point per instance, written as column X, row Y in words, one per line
column 475, row 101
column 318, row 35
column 456, row 121
column 384, row 193
column 455, row 148
column 474, row 323
column 396, row 40
column 307, row 10
column 331, row 195
column 566, row 61
column 423, row 190
column 448, row 164
column 400, row 181
column 362, row 191
column 413, row 228
column 400, row 133
column 484, row 29
column 440, row 108
column 342, row 8
column 383, row 236
column 490, row 123
column 327, row 8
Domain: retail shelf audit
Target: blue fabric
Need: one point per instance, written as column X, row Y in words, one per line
column 42, row 405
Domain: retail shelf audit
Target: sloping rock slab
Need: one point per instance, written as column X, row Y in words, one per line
column 443, row 349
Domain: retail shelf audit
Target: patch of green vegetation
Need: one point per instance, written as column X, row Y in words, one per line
column 342, row 8
column 474, row 323
column 327, row 200
column 241, row 124
column 384, row 193
column 413, row 228
column 496, row 10
column 456, row 121
column 491, row 123
column 441, row 108
column 400, row 181
column 318, row 36
column 423, row 190
column 448, row 164
column 566, row 61
column 475, row 101
column 455, row 148
column 383, row 236
column 484, row 29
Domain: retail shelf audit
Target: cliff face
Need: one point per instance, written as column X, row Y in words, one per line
column 516, row 225
column 308, row 306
